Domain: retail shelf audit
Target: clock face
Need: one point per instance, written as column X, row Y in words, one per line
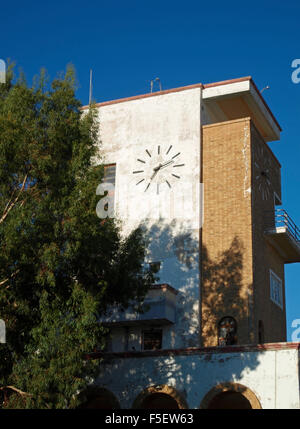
column 262, row 166
column 158, row 168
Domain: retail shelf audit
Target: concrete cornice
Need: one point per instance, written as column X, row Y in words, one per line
column 196, row 351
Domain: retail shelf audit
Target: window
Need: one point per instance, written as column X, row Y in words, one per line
column 107, row 342
column 155, row 266
column 110, row 174
column 227, row 331
column 276, row 289
column 110, row 178
column 152, row 339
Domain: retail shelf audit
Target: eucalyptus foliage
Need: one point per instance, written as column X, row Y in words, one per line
column 60, row 265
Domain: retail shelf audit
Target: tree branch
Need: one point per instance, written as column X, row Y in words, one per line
column 6, row 280
column 15, row 389
column 11, row 204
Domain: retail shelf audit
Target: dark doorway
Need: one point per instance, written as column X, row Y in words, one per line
column 261, row 332
column 159, row 401
column 230, row 401
column 100, row 398
column 100, row 402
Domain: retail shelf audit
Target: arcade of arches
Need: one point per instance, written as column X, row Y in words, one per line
column 223, row 396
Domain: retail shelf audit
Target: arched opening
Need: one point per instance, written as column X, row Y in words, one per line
column 159, row 401
column 230, row 396
column 229, row 401
column 160, row 397
column 227, row 331
column 99, row 398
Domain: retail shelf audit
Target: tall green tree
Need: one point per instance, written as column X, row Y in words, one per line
column 60, row 265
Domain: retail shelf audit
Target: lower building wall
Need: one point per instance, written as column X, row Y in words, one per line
column 268, row 373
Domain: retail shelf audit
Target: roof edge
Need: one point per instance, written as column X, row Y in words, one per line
column 168, row 91
column 184, row 88
column 148, row 95
column 265, row 104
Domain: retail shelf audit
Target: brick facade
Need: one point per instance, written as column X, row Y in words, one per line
column 236, row 259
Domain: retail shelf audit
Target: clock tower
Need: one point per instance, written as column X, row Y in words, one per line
column 193, row 168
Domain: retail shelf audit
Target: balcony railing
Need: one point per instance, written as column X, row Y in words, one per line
column 283, row 234
column 282, row 219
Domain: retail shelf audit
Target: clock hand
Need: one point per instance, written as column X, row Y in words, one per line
column 153, row 175
column 156, row 169
column 167, row 163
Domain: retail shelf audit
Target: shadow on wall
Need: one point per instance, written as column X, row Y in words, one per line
column 177, row 247
column 226, row 301
column 198, row 379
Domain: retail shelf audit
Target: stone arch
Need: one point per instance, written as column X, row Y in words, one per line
column 230, row 388
column 98, row 397
column 162, row 391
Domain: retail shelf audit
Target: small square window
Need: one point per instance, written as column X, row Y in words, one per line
column 152, row 339
column 155, row 266
column 276, row 289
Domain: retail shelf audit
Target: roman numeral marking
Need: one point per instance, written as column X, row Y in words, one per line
column 140, row 160
column 147, row 187
column 139, row 171
column 175, row 155
column 178, row 177
column 158, row 150
column 140, row 181
column 178, row 165
column 168, row 184
column 148, row 152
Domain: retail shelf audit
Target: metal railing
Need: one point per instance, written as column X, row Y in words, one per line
column 280, row 218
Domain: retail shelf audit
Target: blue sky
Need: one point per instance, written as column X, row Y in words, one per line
column 128, row 43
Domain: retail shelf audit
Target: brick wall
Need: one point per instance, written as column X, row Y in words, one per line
column 227, row 283
column 240, row 176
column 264, row 256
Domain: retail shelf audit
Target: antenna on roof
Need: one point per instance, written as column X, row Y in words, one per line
column 152, row 82
column 266, row 87
column 90, row 92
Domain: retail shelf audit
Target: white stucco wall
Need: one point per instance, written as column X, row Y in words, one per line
column 272, row 375
column 164, row 125
column 172, row 224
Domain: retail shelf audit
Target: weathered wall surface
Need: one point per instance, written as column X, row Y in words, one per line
column 138, row 135
column 272, row 375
